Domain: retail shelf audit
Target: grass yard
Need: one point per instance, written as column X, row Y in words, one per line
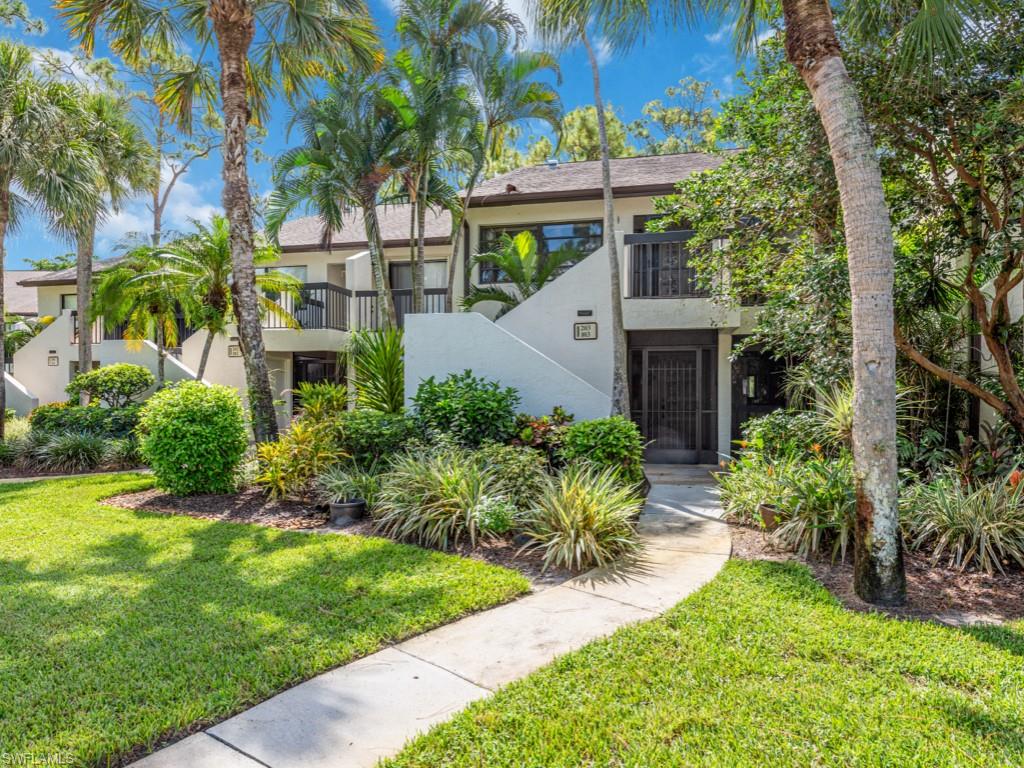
column 118, row 628
column 760, row 668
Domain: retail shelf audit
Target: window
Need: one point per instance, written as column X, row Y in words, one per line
column 68, row 301
column 435, row 275
column 584, row 237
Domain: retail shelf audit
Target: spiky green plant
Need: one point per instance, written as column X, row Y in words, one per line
column 378, row 359
column 585, row 518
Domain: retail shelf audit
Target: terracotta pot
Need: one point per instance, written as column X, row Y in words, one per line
column 347, row 511
column 769, row 516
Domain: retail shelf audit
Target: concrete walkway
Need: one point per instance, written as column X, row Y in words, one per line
column 357, row 714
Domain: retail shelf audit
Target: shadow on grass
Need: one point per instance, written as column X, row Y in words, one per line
column 121, row 639
column 1005, row 638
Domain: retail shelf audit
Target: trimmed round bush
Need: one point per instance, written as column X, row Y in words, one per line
column 116, row 385
column 613, row 442
column 194, row 437
column 472, row 410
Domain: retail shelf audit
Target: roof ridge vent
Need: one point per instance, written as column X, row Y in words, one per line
column 551, row 162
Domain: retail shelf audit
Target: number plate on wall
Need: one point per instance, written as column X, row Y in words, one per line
column 584, row 331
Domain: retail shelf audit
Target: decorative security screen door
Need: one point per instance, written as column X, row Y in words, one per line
column 671, row 404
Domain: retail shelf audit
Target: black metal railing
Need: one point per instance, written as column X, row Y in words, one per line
column 659, row 266
column 370, row 309
column 100, row 332
column 318, row 306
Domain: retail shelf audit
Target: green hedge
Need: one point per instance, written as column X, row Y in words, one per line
column 613, row 442
column 472, row 410
column 194, row 437
column 90, row 419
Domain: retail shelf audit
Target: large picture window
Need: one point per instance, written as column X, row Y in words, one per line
column 583, row 237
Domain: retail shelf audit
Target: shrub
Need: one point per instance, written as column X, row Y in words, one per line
column 122, row 454
column 978, row 525
column 287, row 467
column 613, row 442
column 473, row 410
column 435, row 500
column 116, row 385
column 495, row 516
column 343, row 482
column 817, row 505
column 68, row 452
column 585, row 518
column 321, row 400
column 752, row 480
column 782, row 433
column 369, row 436
column 193, row 436
column 543, row 433
column 521, row 470
column 379, row 366
column 92, row 419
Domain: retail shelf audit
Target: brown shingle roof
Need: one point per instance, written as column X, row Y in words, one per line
column 648, row 175
column 307, row 232
column 20, row 299
column 67, row 276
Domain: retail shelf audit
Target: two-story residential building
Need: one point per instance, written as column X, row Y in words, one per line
column 687, row 395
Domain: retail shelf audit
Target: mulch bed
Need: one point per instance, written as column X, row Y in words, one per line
column 252, row 506
column 934, row 592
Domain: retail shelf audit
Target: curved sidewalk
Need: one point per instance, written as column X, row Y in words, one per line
column 354, row 715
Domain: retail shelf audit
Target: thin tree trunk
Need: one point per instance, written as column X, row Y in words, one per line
column 83, row 275
column 449, row 301
column 207, row 345
column 234, row 25
column 158, row 209
column 5, row 217
column 380, row 276
column 419, row 265
column 160, row 368
column 620, row 381
column 813, row 47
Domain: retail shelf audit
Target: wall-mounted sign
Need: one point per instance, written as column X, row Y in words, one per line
column 53, row 361
column 584, row 313
column 234, row 350
column 584, row 331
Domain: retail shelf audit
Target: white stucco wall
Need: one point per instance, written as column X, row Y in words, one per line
column 47, row 383
column 18, row 397
column 439, row 345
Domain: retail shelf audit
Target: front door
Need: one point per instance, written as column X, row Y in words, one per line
column 673, row 397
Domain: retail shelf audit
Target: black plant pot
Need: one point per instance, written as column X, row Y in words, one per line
column 347, row 511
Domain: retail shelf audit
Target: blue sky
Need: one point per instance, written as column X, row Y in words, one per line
column 628, row 82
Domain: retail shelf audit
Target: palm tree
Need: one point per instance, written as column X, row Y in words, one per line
column 517, row 259
column 199, row 265
column 296, row 42
column 138, row 295
column 439, row 35
column 564, row 30
column 124, row 166
column 353, row 145
column 40, row 162
column 507, row 95
column 924, row 31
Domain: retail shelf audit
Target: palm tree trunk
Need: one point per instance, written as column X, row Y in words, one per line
column 234, row 25
column 5, row 217
column 83, row 277
column 620, row 381
column 160, row 355
column 418, row 266
column 207, row 346
column 380, row 276
column 449, row 301
column 813, row 48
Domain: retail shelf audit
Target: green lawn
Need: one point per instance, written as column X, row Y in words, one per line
column 760, row 668
column 118, row 627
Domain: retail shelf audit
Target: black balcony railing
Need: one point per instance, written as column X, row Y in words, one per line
column 318, row 306
column 370, row 310
column 100, row 332
column 659, row 266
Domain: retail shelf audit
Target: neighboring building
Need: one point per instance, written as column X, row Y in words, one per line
column 555, row 347
column 20, row 300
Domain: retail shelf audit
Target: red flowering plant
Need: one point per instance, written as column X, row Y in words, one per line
column 542, row 432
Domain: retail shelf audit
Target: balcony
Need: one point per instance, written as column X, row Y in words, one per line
column 100, row 333
column 369, row 311
column 657, row 267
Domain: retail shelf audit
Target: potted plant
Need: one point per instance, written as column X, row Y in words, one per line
column 344, row 491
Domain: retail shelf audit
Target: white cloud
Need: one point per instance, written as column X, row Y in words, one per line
column 65, row 65
column 603, row 51
column 720, row 35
